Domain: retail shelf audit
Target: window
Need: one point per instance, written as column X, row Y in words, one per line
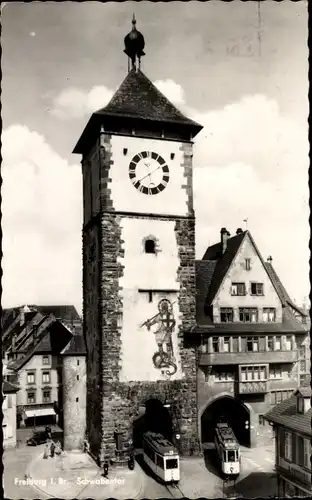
column 159, row 461
column 253, row 373
column 302, row 379
column 275, row 371
column 77, row 362
column 261, row 420
column 31, row 378
column 256, row 289
column 77, row 399
column 270, row 343
column 278, row 343
column 247, row 264
column 46, row 377
column 226, row 344
column 45, row 360
column 226, row 314
column 288, row 440
column 252, row 344
column 288, row 343
column 278, row 397
column 235, row 344
column 307, row 453
column 150, row 246
column 171, row 463
column 31, row 398
column 46, row 396
column 300, row 404
column 238, row 289
column 215, row 344
column 248, row 315
column 77, row 377
column 268, row 314
column 224, row 377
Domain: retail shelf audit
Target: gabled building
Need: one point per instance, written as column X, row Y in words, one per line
column 291, row 421
column 37, row 375
column 250, row 337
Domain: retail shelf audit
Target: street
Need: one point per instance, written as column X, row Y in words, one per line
column 200, row 477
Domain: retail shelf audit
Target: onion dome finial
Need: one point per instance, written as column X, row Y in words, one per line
column 134, row 45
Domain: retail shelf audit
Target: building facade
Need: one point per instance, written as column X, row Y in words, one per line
column 138, row 267
column 250, row 340
column 9, row 392
column 291, row 421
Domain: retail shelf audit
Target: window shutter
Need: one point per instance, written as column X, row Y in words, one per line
column 293, row 448
column 281, row 436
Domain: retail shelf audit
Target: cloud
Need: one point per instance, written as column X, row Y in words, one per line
column 252, row 161
column 41, row 221
column 173, row 91
column 75, row 103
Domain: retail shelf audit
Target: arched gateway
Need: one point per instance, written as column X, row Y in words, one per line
column 232, row 410
column 138, row 305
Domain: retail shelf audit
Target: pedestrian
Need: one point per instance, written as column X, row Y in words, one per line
column 52, row 449
column 46, row 451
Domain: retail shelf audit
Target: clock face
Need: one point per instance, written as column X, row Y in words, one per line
column 149, row 172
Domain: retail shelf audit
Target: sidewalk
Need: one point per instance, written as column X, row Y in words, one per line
column 75, row 475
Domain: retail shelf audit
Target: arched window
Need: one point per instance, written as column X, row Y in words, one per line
column 150, row 246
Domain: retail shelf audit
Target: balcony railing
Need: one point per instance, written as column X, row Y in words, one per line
column 253, row 387
column 237, row 358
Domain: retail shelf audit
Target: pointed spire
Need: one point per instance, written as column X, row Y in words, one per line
column 134, row 45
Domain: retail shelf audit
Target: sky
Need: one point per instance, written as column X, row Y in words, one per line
column 229, row 66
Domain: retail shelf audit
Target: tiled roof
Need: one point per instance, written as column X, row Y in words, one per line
column 75, row 347
column 139, row 101
column 137, row 97
column 286, row 415
column 8, row 387
column 305, row 391
column 223, row 262
column 62, row 312
column 282, row 293
column 204, row 273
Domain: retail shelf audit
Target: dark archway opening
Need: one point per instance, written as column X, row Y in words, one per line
column 229, row 410
column 155, row 419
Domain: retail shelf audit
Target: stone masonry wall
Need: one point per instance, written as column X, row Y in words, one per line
column 122, row 400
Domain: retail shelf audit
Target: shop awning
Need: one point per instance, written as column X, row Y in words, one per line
column 40, row 412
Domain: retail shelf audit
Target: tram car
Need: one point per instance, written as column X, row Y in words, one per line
column 161, row 457
column 228, row 450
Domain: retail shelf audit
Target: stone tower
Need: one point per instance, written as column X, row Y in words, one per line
column 138, row 265
column 74, row 393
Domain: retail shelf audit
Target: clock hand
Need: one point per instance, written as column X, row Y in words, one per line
column 146, row 175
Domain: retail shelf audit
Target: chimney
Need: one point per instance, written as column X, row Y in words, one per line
column 22, row 316
column 239, row 230
column 224, row 237
column 13, row 341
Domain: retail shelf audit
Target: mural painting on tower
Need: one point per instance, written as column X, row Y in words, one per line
column 165, row 323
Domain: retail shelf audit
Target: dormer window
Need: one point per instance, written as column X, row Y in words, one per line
column 300, row 404
column 149, row 246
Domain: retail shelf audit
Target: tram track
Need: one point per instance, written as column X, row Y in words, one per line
column 174, row 491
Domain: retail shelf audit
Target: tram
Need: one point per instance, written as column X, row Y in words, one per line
column 228, row 450
column 161, row 457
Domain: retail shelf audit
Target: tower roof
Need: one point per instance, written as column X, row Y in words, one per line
column 139, row 102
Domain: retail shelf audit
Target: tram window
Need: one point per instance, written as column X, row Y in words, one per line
column 231, row 456
column 159, row 461
column 171, row 463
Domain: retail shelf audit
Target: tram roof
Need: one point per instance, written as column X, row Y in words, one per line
column 160, row 443
column 226, row 436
